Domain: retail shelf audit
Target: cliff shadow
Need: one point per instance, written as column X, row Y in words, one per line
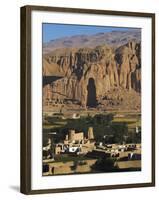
column 50, row 79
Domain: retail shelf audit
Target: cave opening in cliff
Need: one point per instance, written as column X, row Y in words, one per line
column 91, row 93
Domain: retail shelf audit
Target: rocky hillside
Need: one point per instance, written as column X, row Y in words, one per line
column 94, row 76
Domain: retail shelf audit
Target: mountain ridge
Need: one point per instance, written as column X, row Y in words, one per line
column 113, row 39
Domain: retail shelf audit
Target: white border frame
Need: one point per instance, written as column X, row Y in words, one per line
column 54, row 182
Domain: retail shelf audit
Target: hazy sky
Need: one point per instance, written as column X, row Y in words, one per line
column 54, row 31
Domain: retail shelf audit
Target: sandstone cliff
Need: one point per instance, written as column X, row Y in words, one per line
column 88, row 75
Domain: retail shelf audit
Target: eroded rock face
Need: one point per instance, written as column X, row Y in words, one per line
column 128, row 58
column 105, row 68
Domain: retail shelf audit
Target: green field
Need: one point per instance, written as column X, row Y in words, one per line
column 118, row 125
column 132, row 122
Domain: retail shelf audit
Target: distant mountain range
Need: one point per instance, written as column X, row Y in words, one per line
column 113, row 39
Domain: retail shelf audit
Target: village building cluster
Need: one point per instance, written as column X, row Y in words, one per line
column 77, row 143
column 74, row 142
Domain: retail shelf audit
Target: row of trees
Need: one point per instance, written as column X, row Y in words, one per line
column 104, row 129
